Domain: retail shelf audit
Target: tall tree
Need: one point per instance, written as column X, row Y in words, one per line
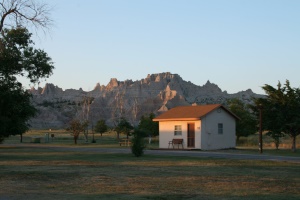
column 247, row 123
column 18, row 57
column 148, row 126
column 281, row 110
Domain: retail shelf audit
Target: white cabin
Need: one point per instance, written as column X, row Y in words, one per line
column 206, row 127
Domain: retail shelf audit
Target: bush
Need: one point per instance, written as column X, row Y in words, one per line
column 138, row 144
column 1, row 139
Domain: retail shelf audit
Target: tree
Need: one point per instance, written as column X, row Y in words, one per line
column 85, row 125
column 281, row 110
column 276, row 137
column 85, row 114
column 15, row 109
column 101, row 127
column 18, row 57
column 76, row 127
column 24, row 13
column 247, row 123
column 148, row 125
column 124, row 127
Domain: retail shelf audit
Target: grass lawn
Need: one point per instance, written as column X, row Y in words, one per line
column 41, row 173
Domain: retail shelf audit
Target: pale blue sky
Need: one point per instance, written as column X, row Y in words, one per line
column 237, row 44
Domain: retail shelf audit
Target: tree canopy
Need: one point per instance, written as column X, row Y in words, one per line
column 18, row 57
column 148, row 126
column 15, row 109
column 247, row 123
column 124, row 127
column 280, row 110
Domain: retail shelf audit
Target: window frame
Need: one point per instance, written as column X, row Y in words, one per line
column 177, row 130
column 220, row 128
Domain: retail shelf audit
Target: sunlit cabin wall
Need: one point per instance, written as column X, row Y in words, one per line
column 166, row 133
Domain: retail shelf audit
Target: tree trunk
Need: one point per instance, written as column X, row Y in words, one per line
column 277, row 142
column 85, row 133
column 75, row 139
column 277, row 145
column 237, row 138
column 294, row 144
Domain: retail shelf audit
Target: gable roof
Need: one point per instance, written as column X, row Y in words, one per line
column 190, row 112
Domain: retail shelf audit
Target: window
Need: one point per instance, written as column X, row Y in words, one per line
column 177, row 130
column 220, row 128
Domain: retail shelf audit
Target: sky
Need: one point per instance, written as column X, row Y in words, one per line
column 236, row 44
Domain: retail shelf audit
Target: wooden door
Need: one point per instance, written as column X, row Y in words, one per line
column 191, row 135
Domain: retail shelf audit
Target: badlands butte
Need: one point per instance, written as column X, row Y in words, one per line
column 129, row 99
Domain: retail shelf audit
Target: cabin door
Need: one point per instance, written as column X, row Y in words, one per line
column 191, row 135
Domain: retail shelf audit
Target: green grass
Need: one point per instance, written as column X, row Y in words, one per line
column 41, row 173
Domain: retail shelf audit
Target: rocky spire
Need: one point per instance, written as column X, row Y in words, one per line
column 50, row 89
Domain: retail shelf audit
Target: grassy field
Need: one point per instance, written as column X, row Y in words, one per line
column 44, row 173
column 41, row 173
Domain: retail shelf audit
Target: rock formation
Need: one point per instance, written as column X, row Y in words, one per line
column 130, row 99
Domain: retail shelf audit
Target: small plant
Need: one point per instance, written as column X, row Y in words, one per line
column 138, row 144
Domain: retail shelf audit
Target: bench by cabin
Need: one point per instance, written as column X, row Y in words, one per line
column 176, row 141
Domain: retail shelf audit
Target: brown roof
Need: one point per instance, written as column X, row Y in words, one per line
column 190, row 112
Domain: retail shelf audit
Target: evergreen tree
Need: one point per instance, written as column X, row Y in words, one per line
column 280, row 110
column 138, row 144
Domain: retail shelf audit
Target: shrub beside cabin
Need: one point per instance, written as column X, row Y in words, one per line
column 205, row 127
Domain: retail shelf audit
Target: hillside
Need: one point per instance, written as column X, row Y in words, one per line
column 130, row 99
